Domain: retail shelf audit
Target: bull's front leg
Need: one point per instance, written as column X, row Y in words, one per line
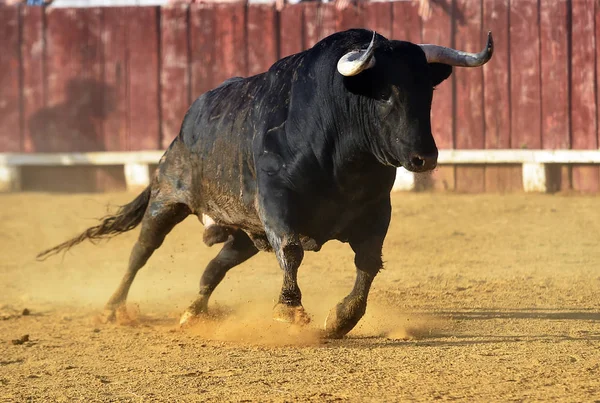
column 289, row 252
column 278, row 215
column 367, row 243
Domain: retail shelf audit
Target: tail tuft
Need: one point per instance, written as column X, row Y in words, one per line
column 127, row 218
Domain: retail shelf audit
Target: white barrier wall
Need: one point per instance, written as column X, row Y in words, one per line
column 538, row 165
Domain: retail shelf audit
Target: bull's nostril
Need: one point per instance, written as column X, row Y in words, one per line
column 417, row 161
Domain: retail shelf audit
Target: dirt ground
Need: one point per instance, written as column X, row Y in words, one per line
column 484, row 298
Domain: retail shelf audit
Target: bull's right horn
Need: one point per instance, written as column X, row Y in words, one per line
column 453, row 57
column 356, row 61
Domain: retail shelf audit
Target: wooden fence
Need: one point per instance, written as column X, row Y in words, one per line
column 119, row 79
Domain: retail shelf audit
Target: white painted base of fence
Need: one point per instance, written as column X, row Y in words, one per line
column 137, row 176
column 405, row 180
column 540, row 167
column 10, row 178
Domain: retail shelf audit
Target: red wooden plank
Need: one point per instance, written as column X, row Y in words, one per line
column 407, row 24
column 565, row 178
column 32, row 56
column 142, row 45
column 202, row 46
column 496, row 98
column 469, row 81
column 10, row 66
column 72, row 180
column 470, row 179
column 525, row 75
column 378, row 17
column 503, row 178
column 444, row 178
column 583, row 96
column 555, row 73
column 438, row 30
column 350, row 17
column 469, row 120
column 597, row 36
column 291, row 23
column 73, row 117
column 312, row 15
column 262, row 38
column 230, row 42
column 174, row 77
column 327, row 21
column 116, row 77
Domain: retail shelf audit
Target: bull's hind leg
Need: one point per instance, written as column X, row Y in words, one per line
column 158, row 221
column 367, row 243
column 237, row 249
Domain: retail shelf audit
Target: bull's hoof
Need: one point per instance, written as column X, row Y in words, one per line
column 108, row 316
column 116, row 315
column 197, row 309
column 188, row 318
column 344, row 317
column 291, row 314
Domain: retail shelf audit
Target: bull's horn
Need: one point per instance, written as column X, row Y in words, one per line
column 356, row 61
column 453, row 57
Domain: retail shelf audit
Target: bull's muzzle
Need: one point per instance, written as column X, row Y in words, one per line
column 419, row 162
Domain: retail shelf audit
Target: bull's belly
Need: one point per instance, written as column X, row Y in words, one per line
column 312, row 237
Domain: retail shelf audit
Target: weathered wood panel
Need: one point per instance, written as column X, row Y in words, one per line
column 351, row 17
column 378, row 17
column 312, row 18
column 262, row 38
column 72, row 119
column 291, row 20
column 555, row 74
column 407, row 24
column 10, row 85
column 555, row 19
column 470, row 179
column 144, row 111
column 202, row 49
column 597, row 36
column 326, row 20
column 33, row 65
column 116, row 77
column 438, row 30
column 503, row 178
column 230, row 42
column 583, row 96
column 525, row 75
column 496, row 98
column 174, row 70
column 469, row 120
column 10, row 88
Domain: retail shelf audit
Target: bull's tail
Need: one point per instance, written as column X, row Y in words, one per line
column 127, row 218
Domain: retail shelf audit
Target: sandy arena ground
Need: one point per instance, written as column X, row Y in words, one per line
column 484, row 298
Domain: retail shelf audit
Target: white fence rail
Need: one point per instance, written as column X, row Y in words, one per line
column 538, row 165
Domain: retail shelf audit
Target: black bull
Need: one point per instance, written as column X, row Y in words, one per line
column 291, row 158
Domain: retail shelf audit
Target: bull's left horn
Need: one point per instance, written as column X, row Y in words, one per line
column 453, row 57
column 356, row 61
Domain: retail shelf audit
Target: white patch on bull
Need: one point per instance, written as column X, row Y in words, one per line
column 207, row 221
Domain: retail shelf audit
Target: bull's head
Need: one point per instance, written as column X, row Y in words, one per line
column 398, row 78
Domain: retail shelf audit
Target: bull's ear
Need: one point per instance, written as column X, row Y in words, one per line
column 439, row 72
